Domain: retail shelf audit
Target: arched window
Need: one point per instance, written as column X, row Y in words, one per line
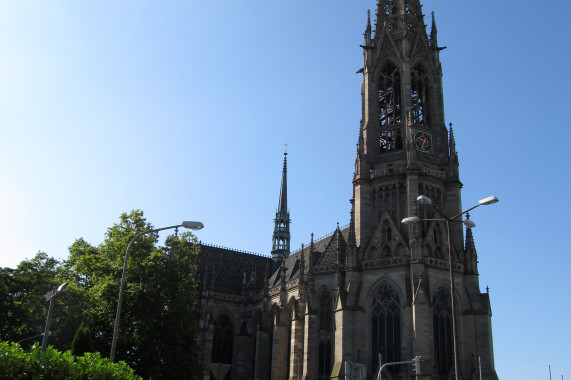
column 223, row 341
column 386, row 336
column 419, row 95
column 389, row 95
column 442, row 325
column 325, row 339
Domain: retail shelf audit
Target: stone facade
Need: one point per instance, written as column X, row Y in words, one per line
column 377, row 290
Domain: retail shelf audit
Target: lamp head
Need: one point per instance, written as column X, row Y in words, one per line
column 424, row 200
column 411, row 219
column 193, row 225
column 62, row 287
column 488, row 200
column 468, row 223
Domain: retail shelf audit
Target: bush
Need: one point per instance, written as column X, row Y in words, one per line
column 15, row 363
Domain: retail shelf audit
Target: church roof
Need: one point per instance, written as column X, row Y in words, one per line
column 325, row 251
column 224, row 270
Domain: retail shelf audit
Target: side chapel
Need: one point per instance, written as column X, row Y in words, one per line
column 376, row 291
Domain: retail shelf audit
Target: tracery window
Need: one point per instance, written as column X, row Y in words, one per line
column 442, row 326
column 386, row 333
column 419, row 95
column 325, row 338
column 390, row 11
column 223, row 340
column 390, row 108
column 389, row 95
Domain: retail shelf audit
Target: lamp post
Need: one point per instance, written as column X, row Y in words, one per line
column 423, row 199
column 50, row 297
column 185, row 224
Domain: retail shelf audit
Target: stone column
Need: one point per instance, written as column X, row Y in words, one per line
column 310, row 346
column 263, row 358
column 296, row 352
column 279, row 345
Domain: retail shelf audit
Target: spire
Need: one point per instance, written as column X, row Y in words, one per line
column 282, row 208
column 452, row 142
column 470, row 246
column 433, row 33
column 281, row 237
column 351, row 241
column 368, row 29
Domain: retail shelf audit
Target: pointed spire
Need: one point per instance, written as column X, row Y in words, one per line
column 311, row 250
column 433, row 33
column 452, row 142
column 281, row 236
column 368, row 29
column 282, row 208
column 470, row 246
column 302, row 265
column 351, row 240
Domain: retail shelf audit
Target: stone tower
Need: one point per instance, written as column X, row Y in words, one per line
column 405, row 150
column 376, row 291
column 281, row 236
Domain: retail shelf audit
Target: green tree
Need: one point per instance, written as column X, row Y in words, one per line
column 23, row 296
column 81, row 341
column 157, row 335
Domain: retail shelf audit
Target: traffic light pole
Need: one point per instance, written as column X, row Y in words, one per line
column 415, row 366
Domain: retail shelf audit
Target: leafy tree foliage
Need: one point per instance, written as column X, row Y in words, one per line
column 81, row 341
column 157, row 335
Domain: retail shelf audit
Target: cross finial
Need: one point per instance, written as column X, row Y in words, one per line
column 285, row 152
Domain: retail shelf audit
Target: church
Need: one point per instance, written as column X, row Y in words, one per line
column 379, row 290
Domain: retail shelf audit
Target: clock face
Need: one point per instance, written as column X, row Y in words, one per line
column 423, row 141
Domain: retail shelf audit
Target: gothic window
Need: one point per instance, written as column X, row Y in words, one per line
column 442, row 326
column 223, row 341
column 390, row 11
column 389, row 95
column 325, row 328
column 419, row 95
column 387, row 232
column 386, row 334
column 436, row 236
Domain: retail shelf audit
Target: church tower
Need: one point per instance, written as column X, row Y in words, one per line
column 377, row 291
column 281, row 236
column 403, row 149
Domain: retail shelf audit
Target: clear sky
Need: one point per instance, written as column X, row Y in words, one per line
column 182, row 108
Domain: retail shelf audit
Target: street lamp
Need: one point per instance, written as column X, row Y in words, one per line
column 423, row 199
column 185, row 224
column 50, row 297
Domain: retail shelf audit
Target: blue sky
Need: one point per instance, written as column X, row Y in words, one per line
column 182, row 109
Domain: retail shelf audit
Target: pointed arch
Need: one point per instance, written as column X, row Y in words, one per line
column 325, row 314
column 223, row 340
column 386, row 309
column 442, row 330
column 390, row 107
column 419, row 94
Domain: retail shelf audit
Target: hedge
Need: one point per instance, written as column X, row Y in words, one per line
column 18, row 364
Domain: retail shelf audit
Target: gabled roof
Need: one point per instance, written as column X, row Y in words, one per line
column 222, row 269
column 324, row 252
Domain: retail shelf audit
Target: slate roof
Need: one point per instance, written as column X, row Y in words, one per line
column 325, row 252
column 222, row 269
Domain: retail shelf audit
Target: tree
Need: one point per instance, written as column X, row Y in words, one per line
column 158, row 327
column 81, row 341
